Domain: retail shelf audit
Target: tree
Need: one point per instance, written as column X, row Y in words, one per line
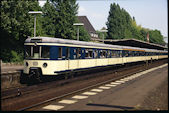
column 113, row 22
column 58, row 19
column 119, row 23
column 156, row 37
column 49, row 19
column 83, row 35
column 16, row 25
column 65, row 18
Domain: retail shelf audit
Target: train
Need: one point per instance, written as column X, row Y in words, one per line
column 48, row 56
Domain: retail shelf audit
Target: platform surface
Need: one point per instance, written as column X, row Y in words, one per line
column 124, row 94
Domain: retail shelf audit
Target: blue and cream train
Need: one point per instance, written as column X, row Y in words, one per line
column 54, row 56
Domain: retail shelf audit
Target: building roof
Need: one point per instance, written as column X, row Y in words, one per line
column 88, row 26
column 135, row 43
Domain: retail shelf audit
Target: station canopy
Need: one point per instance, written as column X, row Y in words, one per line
column 135, row 43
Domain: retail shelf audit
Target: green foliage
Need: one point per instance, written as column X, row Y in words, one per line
column 101, row 34
column 120, row 25
column 83, row 35
column 16, row 25
column 156, row 37
column 64, row 17
column 16, row 57
column 58, row 19
column 49, row 19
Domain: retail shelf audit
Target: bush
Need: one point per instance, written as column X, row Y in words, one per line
column 16, row 57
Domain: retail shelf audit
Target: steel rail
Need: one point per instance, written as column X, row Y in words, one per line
column 77, row 91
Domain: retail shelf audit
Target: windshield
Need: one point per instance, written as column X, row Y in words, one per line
column 27, row 51
column 37, row 52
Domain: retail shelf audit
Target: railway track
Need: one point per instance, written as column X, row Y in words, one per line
column 40, row 94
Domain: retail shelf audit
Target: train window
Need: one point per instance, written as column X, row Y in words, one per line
column 74, row 54
column 104, row 53
column 142, row 53
column 36, row 52
column 117, row 53
column 83, row 53
column 59, row 52
column 120, row 53
column 130, row 53
column 95, row 53
column 155, row 53
column 78, row 53
column 89, row 53
column 36, row 49
column 133, row 53
column 109, row 54
column 74, row 50
column 101, row 53
column 27, row 52
column 114, row 53
column 150, row 54
column 137, row 53
column 86, row 53
column 67, row 53
column 45, row 52
column 126, row 53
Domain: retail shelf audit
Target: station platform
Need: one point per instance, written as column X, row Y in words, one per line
column 124, row 94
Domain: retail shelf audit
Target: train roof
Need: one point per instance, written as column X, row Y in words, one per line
column 83, row 43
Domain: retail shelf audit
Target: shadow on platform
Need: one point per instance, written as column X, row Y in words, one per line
column 112, row 106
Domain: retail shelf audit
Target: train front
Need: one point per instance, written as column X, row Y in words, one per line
column 36, row 56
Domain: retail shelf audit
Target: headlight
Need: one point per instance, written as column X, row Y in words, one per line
column 27, row 64
column 45, row 65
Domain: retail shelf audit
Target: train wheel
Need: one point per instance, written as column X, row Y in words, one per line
column 39, row 76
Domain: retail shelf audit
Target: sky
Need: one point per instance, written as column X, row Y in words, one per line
column 150, row 14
